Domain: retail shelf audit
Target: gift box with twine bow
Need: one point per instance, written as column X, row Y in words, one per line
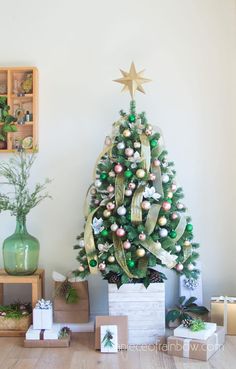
column 223, row 312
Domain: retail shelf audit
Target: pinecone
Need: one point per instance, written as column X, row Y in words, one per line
column 154, row 276
column 63, row 289
column 113, row 278
column 187, row 322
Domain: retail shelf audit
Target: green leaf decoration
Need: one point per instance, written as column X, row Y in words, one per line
column 181, row 300
column 197, row 325
column 172, row 315
column 190, row 301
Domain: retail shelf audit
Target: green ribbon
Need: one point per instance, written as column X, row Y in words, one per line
column 89, row 242
column 145, row 152
column 136, row 210
column 120, row 256
column 152, row 217
column 119, row 189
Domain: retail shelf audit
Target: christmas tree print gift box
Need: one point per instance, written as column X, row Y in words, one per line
column 223, row 312
column 72, row 312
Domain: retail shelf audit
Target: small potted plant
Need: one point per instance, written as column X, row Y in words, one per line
column 7, row 120
column 20, row 250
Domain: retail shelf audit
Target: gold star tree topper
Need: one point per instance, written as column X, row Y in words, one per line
column 132, row 80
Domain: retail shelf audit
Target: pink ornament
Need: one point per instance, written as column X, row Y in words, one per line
column 110, row 206
column 127, row 245
column 132, row 186
column 110, row 188
column 120, row 232
column 118, row 168
column 128, row 192
column 173, row 187
column 152, row 177
column 129, row 151
column 179, row 267
column 174, row 216
column 142, row 236
column 81, row 268
column 102, row 266
column 156, row 163
column 146, row 205
column 166, row 205
column 96, row 202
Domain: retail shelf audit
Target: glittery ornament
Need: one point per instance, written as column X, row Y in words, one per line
column 126, row 133
column 166, row 206
column 118, row 168
column 127, row 245
column 129, row 151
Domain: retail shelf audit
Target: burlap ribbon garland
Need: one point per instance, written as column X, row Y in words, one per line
column 136, row 210
column 120, row 256
column 89, row 242
column 161, row 254
column 119, row 189
column 152, row 217
column 187, row 251
column 145, row 152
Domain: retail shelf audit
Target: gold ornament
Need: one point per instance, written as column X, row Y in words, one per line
column 106, row 213
column 162, row 221
column 170, row 195
column 132, row 80
column 140, row 173
column 187, row 243
column 111, row 259
column 140, row 252
column 126, row 133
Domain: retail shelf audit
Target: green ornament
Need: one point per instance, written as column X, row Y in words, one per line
column 131, row 263
column 103, row 176
column 153, row 143
column 132, row 118
column 172, row 234
column 128, row 173
column 169, row 201
column 129, row 217
column 93, row 263
column 189, row 227
column 104, row 233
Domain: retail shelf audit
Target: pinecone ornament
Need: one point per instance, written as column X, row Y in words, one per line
column 187, row 322
column 113, row 278
column 154, row 276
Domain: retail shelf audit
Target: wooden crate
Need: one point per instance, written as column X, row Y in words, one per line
column 145, row 309
column 12, row 77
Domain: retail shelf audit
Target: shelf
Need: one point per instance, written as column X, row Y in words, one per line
column 22, row 97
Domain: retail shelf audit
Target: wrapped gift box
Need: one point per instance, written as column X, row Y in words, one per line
column 223, row 312
column 196, row 349
column 41, row 334
column 43, row 315
column 190, row 287
column 72, row 313
column 184, row 332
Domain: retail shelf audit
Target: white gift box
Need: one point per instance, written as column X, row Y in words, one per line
column 204, row 334
column 195, row 291
column 49, row 334
column 109, row 339
column 42, row 318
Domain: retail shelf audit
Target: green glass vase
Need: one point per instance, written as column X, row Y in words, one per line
column 20, row 251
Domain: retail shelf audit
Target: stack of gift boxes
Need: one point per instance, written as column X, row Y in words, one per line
column 43, row 327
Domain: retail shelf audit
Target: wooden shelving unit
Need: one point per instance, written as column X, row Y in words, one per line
column 11, row 86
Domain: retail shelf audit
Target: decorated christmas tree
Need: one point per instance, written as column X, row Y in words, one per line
column 134, row 216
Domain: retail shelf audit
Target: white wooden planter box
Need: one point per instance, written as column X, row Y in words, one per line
column 145, row 309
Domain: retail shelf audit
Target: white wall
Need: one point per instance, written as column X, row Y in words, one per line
column 188, row 49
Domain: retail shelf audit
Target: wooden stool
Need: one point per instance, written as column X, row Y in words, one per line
column 36, row 280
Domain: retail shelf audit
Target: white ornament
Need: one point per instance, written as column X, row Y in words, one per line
column 165, row 178
column 163, row 232
column 111, row 259
column 178, row 248
column 146, row 205
column 98, row 183
column 190, row 267
column 114, row 227
column 165, row 164
column 81, row 242
column 112, row 174
column 128, row 192
column 121, row 146
column 180, row 206
column 81, row 268
column 121, row 210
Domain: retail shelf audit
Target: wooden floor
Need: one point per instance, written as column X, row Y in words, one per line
column 81, row 355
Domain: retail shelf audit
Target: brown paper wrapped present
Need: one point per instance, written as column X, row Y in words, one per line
column 196, row 349
column 72, row 313
column 223, row 312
